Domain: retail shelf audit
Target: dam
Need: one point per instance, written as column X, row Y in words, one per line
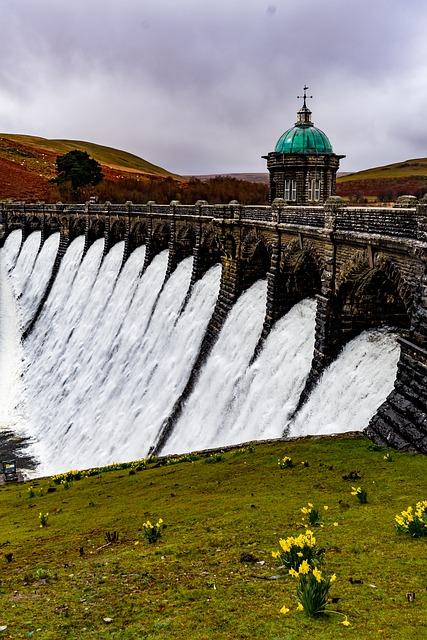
column 128, row 329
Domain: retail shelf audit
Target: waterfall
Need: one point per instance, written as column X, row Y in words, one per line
column 38, row 280
column 25, row 263
column 204, row 414
column 112, row 351
column 10, row 345
column 11, row 249
column 352, row 387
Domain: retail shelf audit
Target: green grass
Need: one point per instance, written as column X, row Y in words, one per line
column 191, row 583
column 114, row 158
column 406, row 169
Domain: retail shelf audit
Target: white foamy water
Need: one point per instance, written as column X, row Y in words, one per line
column 352, row 387
column 205, row 412
column 11, row 249
column 170, row 363
column 38, row 280
column 95, row 404
column 47, row 350
column 25, row 262
column 10, row 351
column 270, row 388
column 112, row 352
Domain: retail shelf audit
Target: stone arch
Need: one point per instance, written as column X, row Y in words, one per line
column 255, row 260
column 34, row 224
column 371, row 296
column 300, row 273
column 160, row 237
column 77, row 228
column 117, row 232
column 185, row 241
column 96, row 230
column 15, row 222
column 137, row 235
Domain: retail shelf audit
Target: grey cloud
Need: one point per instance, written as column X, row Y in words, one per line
column 203, row 87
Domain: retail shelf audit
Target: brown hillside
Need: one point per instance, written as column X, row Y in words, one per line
column 27, row 166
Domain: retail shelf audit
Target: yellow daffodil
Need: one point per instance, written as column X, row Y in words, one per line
column 284, row 610
column 333, row 577
column 317, row 574
column 293, row 573
column 304, row 567
column 300, row 607
column 335, row 524
column 345, row 622
column 325, row 506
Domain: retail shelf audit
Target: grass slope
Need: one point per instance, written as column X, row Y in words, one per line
column 387, row 182
column 192, row 583
column 114, row 158
column 408, row 168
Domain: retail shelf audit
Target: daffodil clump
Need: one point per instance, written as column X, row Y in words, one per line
column 43, row 518
column 312, row 590
column 413, row 521
column 361, row 494
column 312, row 514
column 152, row 532
column 285, row 462
column 295, row 550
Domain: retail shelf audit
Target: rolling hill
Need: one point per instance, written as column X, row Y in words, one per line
column 27, row 165
column 386, row 182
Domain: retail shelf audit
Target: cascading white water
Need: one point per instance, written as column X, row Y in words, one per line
column 112, row 351
column 352, row 388
column 25, row 263
column 38, row 280
column 204, row 414
column 277, row 377
column 10, row 347
column 11, row 249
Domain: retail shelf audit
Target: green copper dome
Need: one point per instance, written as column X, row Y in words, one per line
column 303, row 138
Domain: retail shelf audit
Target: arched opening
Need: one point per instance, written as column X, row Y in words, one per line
column 208, row 252
column 255, row 263
column 77, row 228
column 117, row 232
column 159, row 241
column 137, row 235
column 96, row 231
column 184, row 243
column 300, row 275
column 370, row 298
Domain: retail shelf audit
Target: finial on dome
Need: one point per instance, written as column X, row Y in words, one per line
column 304, row 113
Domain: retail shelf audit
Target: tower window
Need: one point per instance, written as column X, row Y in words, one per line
column 314, row 190
column 290, row 190
column 294, row 190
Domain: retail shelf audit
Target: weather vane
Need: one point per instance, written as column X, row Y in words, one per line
column 305, row 96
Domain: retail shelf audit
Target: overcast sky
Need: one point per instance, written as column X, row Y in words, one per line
column 205, row 86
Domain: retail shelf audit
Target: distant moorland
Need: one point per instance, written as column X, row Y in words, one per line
column 27, row 171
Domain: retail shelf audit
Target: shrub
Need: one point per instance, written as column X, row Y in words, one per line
column 295, row 550
column 413, row 521
column 152, row 532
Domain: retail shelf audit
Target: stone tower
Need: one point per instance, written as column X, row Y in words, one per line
column 303, row 166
